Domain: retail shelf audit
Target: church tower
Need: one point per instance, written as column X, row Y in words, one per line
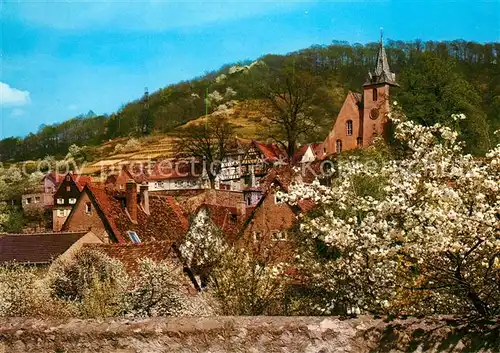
column 376, row 105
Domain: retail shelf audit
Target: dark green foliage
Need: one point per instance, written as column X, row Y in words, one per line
column 437, row 79
column 433, row 89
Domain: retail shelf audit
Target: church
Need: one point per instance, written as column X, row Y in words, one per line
column 364, row 116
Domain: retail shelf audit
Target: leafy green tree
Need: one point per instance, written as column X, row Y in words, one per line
column 433, row 91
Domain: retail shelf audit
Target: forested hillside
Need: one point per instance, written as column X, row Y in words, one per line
column 436, row 78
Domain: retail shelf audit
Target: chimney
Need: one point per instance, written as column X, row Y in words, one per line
column 131, row 199
column 144, row 192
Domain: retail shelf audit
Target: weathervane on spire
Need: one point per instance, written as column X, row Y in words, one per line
column 381, row 35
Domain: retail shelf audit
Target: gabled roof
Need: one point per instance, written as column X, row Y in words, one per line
column 316, row 148
column 284, row 177
column 226, row 219
column 271, row 151
column 137, row 174
column 166, row 219
column 80, row 180
column 36, row 248
column 108, row 209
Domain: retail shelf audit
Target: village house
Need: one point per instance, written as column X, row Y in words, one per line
column 255, row 218
column 65, row 198
column 177, row 174
column 308, row 153
column 259, row 158
column 42, row 195
column 116, row 183
column 266, row 228
column 229, row 177
column 139, row 217
column 364, row 116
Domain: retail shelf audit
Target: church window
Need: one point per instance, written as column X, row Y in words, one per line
column 338, row 146
column 349, row 127
column 375, row 94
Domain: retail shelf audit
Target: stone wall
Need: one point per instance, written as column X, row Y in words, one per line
column 243, row 334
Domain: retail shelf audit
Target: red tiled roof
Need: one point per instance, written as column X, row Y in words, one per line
column 158, row 251
column 81, row 181
column 225, row 218
column 181, row 216
column 271, row 151
column 165, row 222
column 166, row 219
column 36, row 248
column 110, row 208
column 285, row 176
column 129, row 254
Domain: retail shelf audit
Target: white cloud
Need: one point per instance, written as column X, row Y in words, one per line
column 17, row 112
column 13, row 96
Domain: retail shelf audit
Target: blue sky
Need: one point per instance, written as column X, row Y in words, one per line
column 60, row 59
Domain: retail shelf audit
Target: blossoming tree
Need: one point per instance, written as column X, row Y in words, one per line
column 424, row 239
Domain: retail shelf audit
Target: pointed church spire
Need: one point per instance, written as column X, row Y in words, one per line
column 382, row 62
column 382, row 72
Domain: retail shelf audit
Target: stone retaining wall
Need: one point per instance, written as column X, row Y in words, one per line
column 247, row 334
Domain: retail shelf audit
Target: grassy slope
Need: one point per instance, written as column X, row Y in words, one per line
column 245, row 116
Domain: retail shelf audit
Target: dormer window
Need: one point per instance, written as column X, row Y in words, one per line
column 134, row 237
column 72, row 201
column 375, row 94
column 60, row 201
column 349, row 127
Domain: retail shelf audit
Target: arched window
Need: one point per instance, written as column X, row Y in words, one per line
column 338, row 146
column 375, row 94
column 349, row 127
column 359, row 141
